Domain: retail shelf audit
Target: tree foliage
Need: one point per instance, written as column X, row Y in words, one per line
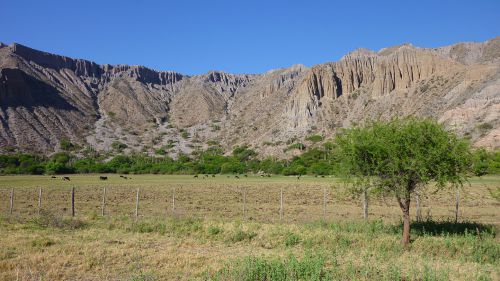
column 318, row 159
column 401, row 155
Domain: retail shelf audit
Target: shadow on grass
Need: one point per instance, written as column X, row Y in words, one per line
column 443, row 228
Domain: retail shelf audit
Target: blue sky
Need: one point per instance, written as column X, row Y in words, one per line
column 193, row 37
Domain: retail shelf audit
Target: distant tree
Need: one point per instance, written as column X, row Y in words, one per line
column 243, row 153
column 401, row 155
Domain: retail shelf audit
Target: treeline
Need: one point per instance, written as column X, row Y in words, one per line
column 319, row 160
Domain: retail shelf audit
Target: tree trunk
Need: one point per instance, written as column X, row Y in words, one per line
column 405, row 207
column 365, row 204
column 457, row 204
column 406, row 228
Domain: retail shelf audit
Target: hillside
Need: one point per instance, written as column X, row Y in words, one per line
column 45, row 98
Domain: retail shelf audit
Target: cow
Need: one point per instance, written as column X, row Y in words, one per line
column 103, row 178
column 66, row 179
column 53, row 177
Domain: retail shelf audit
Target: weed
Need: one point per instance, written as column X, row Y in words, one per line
column 42, row 242
column 214, row 230
column 241, row 235
column 291, row 239
column 49, row 220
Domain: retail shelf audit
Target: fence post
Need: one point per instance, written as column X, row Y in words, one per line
column 281, row 204
column 457, row 202
column 11, row 201
column 103, row 208
column 137, row 204
column 73, row 201
column 365, row 204
column 244, row 203
column 39, row 200
column 324, row 203
column 173, row 203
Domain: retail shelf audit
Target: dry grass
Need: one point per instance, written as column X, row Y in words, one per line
column 221, row 198
column 209, row 239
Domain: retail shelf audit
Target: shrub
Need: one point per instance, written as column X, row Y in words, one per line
column 291, row 239
column 241, row 235
column 118, row 146
column 42, row 242
column 66, row 145
column 314, row 138
column 485, row 126
column 214, row 230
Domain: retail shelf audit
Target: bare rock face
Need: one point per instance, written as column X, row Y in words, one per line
column 45, row 98
column 397, row 69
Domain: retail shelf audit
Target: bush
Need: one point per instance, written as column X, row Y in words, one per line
column 66, row 145
column 214, row 230
column 485, row 126
column 42, row 242
column 184, row 134
column 49, row 220
column 118, row 146
column 314, row 138
column 291, row 239
column 241, row 235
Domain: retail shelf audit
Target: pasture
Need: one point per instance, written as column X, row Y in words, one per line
column 227, row 228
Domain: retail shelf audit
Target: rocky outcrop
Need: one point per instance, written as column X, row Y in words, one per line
column 390, row 70
column 45, row 98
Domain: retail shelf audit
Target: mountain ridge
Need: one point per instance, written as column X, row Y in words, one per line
column 45, row 98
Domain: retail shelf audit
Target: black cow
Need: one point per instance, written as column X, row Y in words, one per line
column 103, row 178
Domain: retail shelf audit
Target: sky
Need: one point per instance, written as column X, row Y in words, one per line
column 193, row 37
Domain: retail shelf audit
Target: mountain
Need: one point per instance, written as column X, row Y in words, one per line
column 45, row 98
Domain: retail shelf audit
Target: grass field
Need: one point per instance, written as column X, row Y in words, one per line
column 209, row 237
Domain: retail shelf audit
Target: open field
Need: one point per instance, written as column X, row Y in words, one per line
column 222, row 198
column 209, row 237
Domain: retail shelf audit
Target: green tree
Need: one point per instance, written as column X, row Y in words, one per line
column 243, row 153
column 401, row 155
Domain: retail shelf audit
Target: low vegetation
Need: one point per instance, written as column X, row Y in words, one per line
column 186, row 248
column 319, row 160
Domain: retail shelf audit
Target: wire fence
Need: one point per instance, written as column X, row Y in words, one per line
column 257, row 202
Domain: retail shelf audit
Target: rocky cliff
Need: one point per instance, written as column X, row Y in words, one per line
column 45, row 98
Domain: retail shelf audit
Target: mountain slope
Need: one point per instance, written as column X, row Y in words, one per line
column 45, row 98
